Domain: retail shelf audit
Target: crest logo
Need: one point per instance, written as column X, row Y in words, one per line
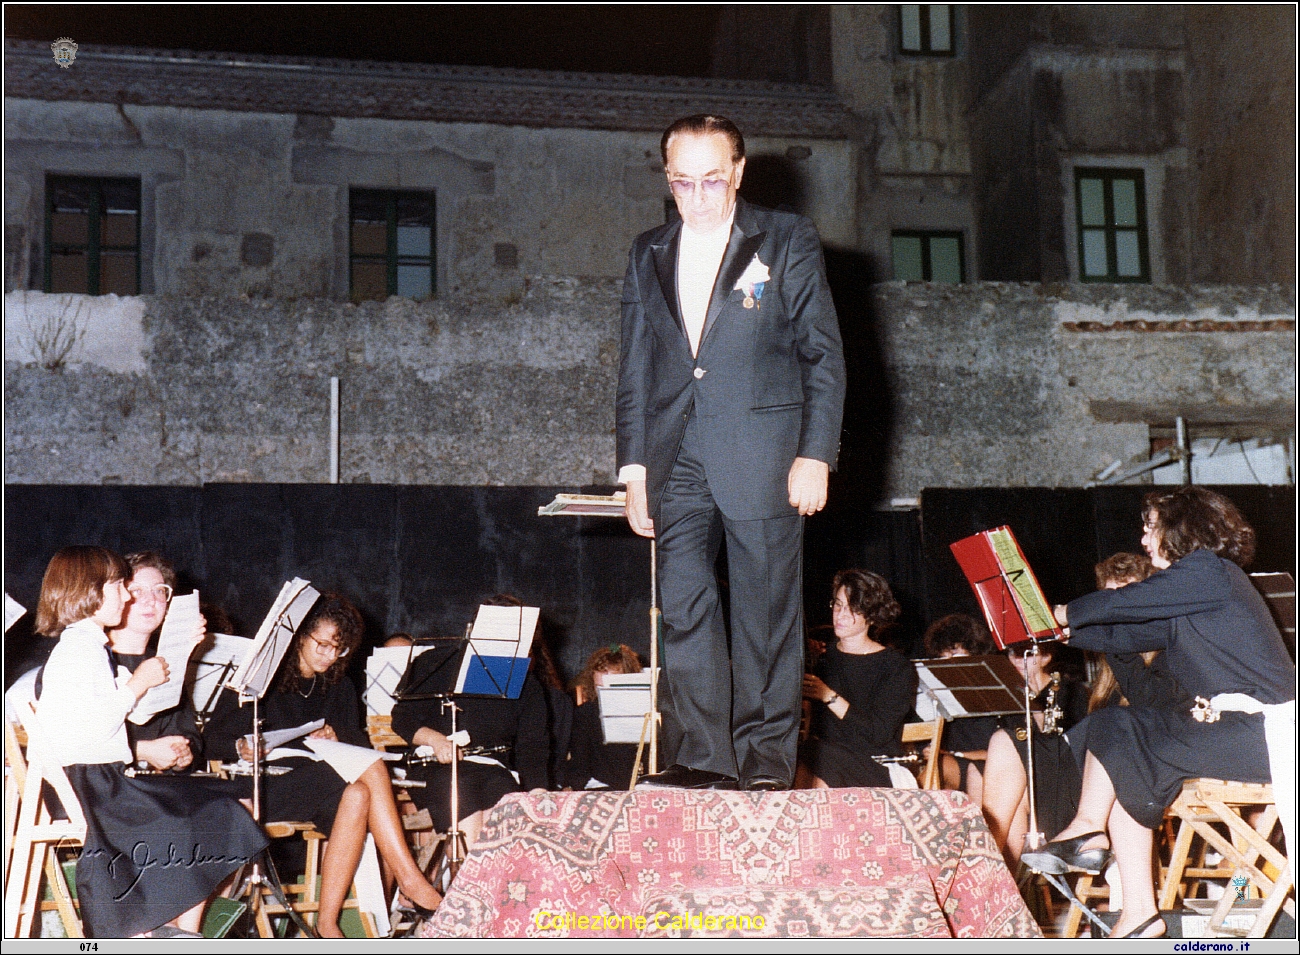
column 65, row 51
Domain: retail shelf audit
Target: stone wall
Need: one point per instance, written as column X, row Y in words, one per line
column 562, row 201
column 973, row 385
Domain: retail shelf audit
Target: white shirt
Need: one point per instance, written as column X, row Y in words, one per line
column 82, row 709
column 699, row 256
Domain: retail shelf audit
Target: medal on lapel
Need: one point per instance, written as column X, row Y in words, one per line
column 752, row 282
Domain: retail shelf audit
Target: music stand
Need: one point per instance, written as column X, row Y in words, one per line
column 250, row 683
column 493, row 663
column 1017, row 612
column 615, row 505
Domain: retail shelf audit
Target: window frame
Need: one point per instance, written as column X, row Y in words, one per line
column 923, row 19
column 1108, row 176
column 927, row 269
column 94, row 246
column 391, row 258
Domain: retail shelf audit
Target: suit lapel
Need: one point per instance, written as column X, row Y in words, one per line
column 665, row 256
column 746, row 240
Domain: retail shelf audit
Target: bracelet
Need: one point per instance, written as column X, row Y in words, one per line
column 834, row 696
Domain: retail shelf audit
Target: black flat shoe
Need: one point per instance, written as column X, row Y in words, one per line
column 1137, row 932
column 1068, row 855
column 683, row 777
column 764, row 784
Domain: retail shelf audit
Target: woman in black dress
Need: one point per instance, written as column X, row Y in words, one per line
column 169, row 741
column 156, row 847
column 861, row 691
column 966, row 740
column 592, row 763
column 1219, row 638
column 509, row 747
column 311, row 687
column 1057, row 777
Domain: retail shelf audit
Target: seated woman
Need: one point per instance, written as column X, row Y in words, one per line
column 128, row 880
column 1005, row 798
column 965, row 741
column 509, row 748
column 862, row 691
column 311, row 686
column 1221, row 644
column 169, row 740
column 593, row 763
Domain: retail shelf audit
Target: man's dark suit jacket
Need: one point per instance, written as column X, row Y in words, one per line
column 768, row 383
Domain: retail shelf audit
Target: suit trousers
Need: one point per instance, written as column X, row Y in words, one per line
column 737, row 713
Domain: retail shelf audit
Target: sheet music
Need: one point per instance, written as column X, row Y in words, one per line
column 217, row 659
column 623, row 709
column 347, row 760
column 384, row 670
column 13, row 611
column 274, row 635
column 1038, row 614
column 175, row 645
column 501, row 637
column 274, row 739
column 933, row 698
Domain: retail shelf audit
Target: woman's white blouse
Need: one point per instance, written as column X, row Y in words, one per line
column 82, row 709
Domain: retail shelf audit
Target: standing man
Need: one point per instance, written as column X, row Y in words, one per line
column 730, row 395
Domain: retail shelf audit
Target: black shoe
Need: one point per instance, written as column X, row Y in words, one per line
column 1068, row 855
column 764, row 784
column 682, row 777
column 1137, row 932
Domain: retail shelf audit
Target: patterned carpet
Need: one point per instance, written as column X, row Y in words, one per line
column 678, row 863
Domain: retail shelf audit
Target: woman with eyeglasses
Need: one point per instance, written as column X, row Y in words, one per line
column 156, row 848
column 861, row 690
column 170, row 740
column 312, row 686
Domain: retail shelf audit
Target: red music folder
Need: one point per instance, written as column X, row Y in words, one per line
column 1008, row 591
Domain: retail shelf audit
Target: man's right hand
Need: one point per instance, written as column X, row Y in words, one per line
column 638, row 510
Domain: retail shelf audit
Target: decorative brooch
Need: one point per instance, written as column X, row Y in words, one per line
column 1204, row 711
column 752, row 282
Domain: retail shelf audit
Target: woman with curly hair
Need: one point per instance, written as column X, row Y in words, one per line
column 1220, row 644
column 311, row 687
column 593, row 763
column 861, row 691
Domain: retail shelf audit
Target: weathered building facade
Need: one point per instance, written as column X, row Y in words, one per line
column 1028, row 153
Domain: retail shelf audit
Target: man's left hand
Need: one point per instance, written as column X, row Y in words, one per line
column 807, row 485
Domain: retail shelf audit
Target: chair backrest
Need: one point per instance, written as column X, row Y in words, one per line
column 931, row 733
column 43, row 765
column 34, row 830
column 380, row 730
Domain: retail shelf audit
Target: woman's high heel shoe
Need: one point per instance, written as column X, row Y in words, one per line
column 1068, row 855
column 1137, row 932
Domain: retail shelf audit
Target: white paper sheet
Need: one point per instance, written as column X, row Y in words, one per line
column 497, row 632
column 13, row 611
column 384, row 670
column 274, row 739
column 347, row 760
column 175, row 644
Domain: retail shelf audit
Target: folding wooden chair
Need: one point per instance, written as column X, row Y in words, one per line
column 36, row 834
column 928, row 777
column 1205, row 805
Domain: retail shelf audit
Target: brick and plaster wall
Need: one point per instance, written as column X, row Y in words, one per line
column 987, row 385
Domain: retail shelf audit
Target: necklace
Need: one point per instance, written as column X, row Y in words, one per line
column 311, row 689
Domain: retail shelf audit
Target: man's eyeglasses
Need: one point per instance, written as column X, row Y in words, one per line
column 161, row 593
column 713, row 188
column 330, row 648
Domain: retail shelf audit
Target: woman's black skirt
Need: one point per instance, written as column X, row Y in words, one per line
column 840, row 767
column 156, row 846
